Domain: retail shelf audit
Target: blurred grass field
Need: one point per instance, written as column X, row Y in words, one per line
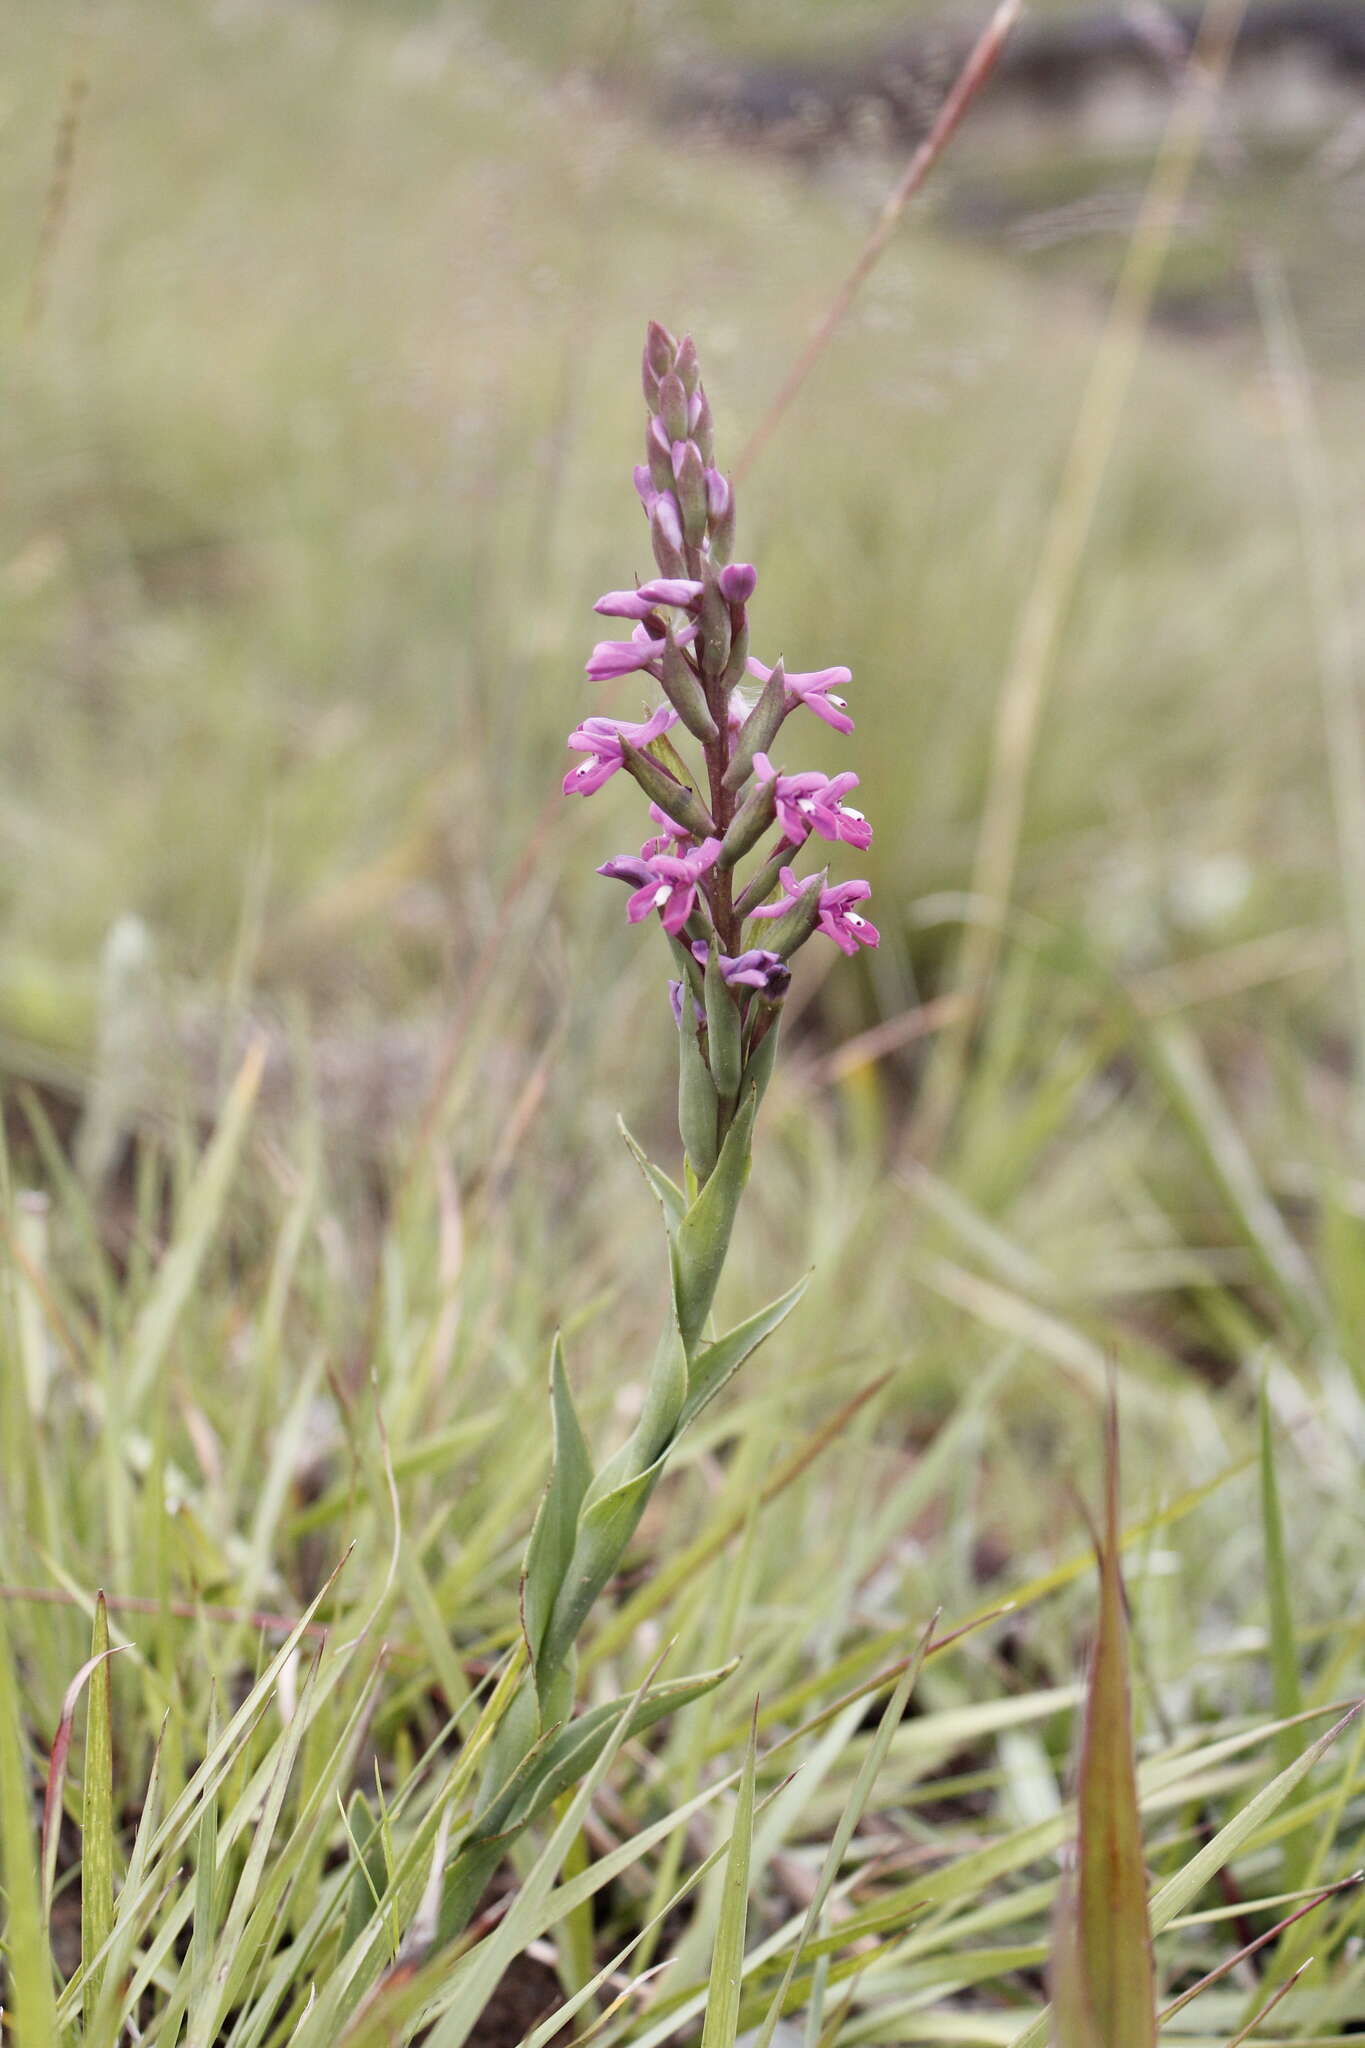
column 320, row 402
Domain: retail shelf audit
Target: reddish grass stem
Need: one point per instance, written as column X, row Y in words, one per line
column 972, row 77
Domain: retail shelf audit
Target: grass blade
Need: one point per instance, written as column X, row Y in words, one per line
column 855, row 1806
column 1113, row 1946
column 727, row 1961
column 97, row 1815
column 32, row 2016
column 1284, row 1665
column 199, row 1218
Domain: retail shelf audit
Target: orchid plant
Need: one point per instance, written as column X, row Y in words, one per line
column 718, row 873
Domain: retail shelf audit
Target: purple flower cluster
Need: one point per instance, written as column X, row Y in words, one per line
column 690, row 635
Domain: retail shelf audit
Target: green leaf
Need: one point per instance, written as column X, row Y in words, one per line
column 205, row 1871
column 1284, row 1664
column 32, row 2013
column 97, row 1816
column 664, row 1398
column 698, row 1103
column 748, row 825
column 371, row 1874
column 110, row 2017
column 210, row 2011
column 758, row 1069
column 1181, row 1065
column 199, row 1219
column 854, row 1807
column 670, row 1196
column 685, row 693
column 556, row 1524
column 1073, row 2019
column 666, row 754
column 509, row 1938
column 672, row 792
column 1113, row 1938
column 605, row 1527
column 551, row 1770
column 722, row 1029
column 464, row 1884
column 760, row 884
column 702, row 1238
column 717, row 1363
column 1178, row 1891
column 788, row 933
column 727, row 1961
column 759, row 729
column 573, row 1750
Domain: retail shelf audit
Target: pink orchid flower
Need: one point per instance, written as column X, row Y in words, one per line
column 840, row 922
column 644, row 650
column 837, row 920
column 666, row 882
column 638, row 604
column 600, row 739
column 815, row 689
column 812, row 802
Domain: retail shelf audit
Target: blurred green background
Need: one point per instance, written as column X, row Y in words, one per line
column 321, row 329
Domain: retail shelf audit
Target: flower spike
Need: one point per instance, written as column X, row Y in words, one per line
column 726, row 806
column 729, row 825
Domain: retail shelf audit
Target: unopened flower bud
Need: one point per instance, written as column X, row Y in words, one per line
column 765, row 972
column 689, row 477
column 660, row 352
column 666, row 534
column 713, row 636
column 659, row 454
column 687, row 366
column 720, row 511
column 701, row 426
column 680, row 590
column 738, row 581
column 673, row 406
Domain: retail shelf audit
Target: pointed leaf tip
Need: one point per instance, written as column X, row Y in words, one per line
column 556, row 1525
column 1104, row 1947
